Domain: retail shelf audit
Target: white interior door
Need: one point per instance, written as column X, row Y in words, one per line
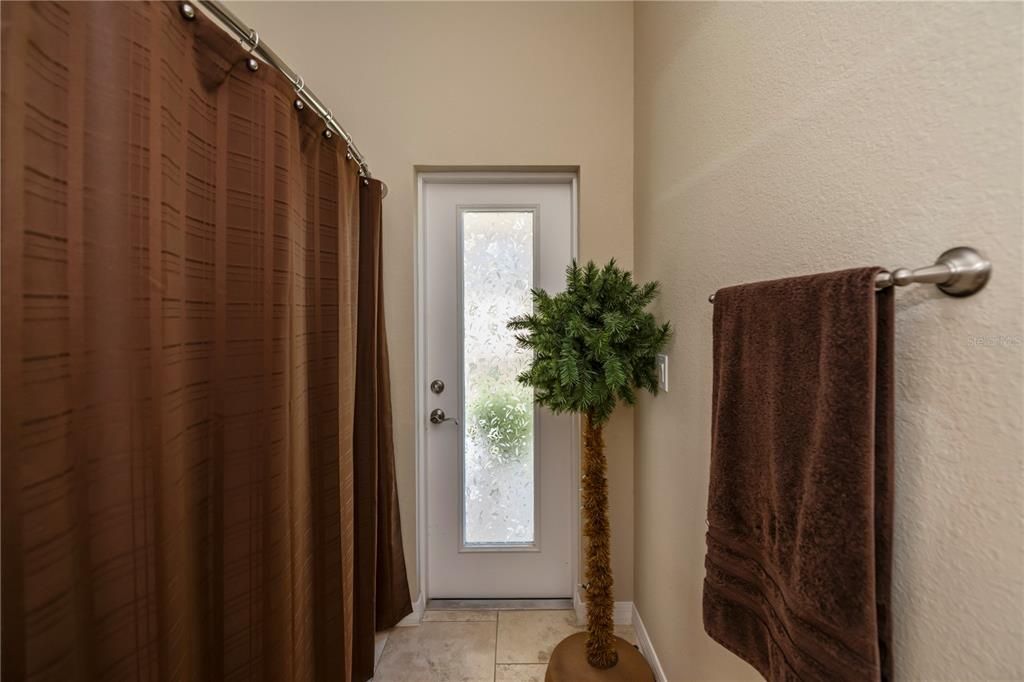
column 500, row 486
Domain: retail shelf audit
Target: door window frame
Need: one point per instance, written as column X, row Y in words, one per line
column 460, row 262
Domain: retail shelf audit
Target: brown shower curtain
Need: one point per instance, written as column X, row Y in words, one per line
column 384, row 599
column 190, row 490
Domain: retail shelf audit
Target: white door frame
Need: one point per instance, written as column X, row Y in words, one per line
column 471, row 176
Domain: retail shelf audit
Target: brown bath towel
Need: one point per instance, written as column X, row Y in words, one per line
column 800, row 502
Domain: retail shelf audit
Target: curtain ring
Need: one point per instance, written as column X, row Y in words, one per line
column 299, row 104
column 253, row 40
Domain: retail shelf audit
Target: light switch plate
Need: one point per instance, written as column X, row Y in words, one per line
column 661, row 361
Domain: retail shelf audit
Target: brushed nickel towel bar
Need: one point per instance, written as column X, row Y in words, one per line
column 960, row 271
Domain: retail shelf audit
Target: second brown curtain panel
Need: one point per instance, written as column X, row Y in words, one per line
column 198, row 476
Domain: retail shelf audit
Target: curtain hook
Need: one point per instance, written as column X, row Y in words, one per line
column 253, row 40
column 327, row 123
column 252, row 63
column 299, row 104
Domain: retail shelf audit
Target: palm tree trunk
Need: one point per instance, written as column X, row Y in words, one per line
column 600, row 627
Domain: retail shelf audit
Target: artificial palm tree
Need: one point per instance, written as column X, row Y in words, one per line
column 593, row 345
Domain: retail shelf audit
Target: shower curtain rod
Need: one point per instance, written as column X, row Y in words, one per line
column 251, row 39
column 960, row 271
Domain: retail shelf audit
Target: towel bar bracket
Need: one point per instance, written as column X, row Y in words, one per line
column 960, row 271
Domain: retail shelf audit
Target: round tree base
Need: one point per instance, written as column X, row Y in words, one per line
column 569, row 663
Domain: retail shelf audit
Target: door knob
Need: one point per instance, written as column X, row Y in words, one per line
column 437, row 417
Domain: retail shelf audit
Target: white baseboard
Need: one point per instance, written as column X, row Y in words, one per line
column 643, row 640
column 416, row 616
column 622, row 614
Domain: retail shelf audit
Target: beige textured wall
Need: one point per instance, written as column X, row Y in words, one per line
column 782, row 139
column 461, row 84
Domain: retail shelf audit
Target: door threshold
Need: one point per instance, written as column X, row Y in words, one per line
column 499, row 604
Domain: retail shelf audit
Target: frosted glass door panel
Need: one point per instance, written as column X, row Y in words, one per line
column 498, row 472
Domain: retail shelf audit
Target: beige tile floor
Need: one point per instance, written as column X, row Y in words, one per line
column 476, row 646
